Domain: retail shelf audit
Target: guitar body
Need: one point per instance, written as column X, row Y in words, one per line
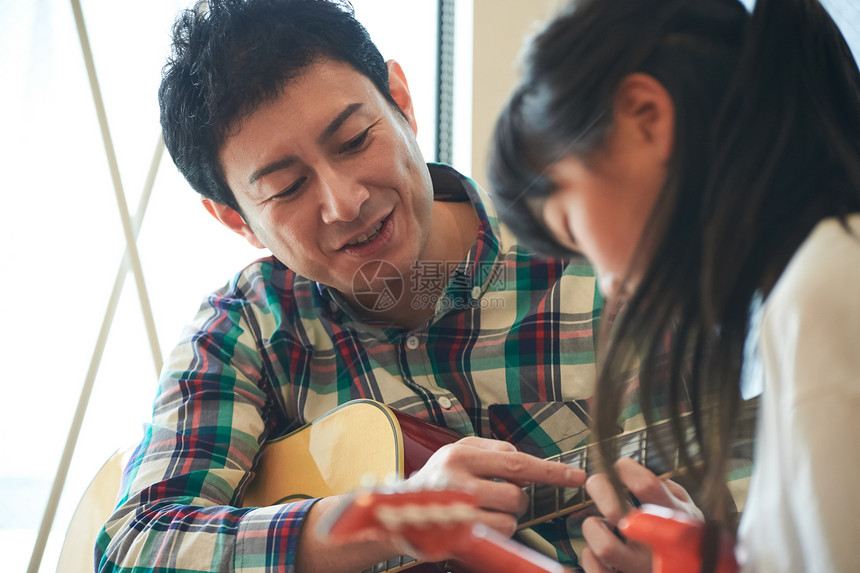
column 359, row 442
column 339, row 452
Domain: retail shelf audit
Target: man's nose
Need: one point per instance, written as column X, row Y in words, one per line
column 341, row 198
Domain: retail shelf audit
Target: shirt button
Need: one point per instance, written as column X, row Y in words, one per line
column 412, row 342
column 445, row 402
column 476, row 292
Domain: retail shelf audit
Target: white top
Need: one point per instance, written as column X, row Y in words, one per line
column 803, row 508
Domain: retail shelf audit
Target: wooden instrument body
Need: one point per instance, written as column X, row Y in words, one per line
column 359, row 442
column 339, row 452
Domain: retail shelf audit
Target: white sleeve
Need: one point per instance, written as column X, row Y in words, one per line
column 810, row 460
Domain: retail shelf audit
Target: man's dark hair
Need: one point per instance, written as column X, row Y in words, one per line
column 229, row 57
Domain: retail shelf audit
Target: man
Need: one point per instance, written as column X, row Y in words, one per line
column 390, row 280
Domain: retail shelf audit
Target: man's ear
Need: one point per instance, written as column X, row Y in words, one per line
column 231, row 219
column 400, row 92
column 645, row 103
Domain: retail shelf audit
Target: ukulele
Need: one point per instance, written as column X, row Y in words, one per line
column 677, row 541
column 435, row 523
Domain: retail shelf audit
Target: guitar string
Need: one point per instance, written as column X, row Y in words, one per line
column 655, row 435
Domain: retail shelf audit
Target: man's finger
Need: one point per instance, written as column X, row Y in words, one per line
column 487, row 444
column 521, row 467
column 509, row 465
column 504, row 523
column 501, row 496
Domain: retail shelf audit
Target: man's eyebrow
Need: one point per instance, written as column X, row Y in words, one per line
column 338, row 122
column 286, row 162
column 282, row 163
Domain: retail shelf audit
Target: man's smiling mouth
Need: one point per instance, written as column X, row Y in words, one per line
column 369, row 236
column 371, row 239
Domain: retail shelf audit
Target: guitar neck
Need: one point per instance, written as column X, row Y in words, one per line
column 646, row 446
column 654, row 447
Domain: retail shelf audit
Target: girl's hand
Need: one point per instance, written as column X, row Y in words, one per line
column 607, row 551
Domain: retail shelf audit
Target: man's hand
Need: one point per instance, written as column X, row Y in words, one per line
column 496, row 472
column 493, row 470
column 607, row 551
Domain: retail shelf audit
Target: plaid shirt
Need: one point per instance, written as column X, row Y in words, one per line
column 509, row 354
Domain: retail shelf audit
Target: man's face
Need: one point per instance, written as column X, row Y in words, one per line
column 329, row 175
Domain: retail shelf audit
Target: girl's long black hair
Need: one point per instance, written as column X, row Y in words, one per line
column 767, row 144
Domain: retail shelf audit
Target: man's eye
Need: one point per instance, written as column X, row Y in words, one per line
column 291, row 190
column 355, row 143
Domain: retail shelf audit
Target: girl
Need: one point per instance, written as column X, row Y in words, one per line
column 707, row 161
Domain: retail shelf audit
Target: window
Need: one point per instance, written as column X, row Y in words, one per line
column 63, row 241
